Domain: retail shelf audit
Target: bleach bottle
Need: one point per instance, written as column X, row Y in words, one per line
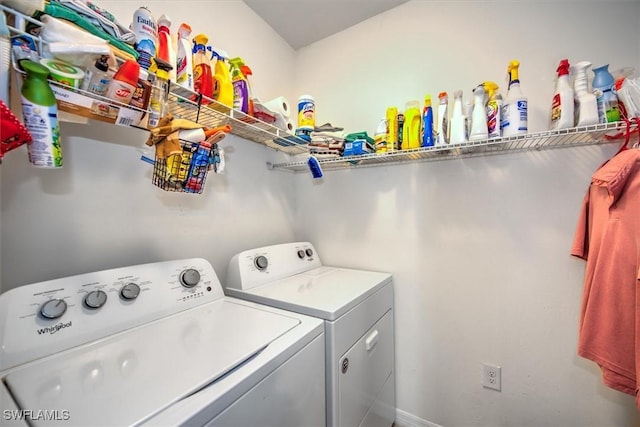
column 586, row 105
column 514, row 120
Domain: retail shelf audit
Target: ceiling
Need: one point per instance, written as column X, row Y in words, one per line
column 302, row 22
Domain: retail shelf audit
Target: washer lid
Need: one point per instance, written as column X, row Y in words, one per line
column 127, row 378
column 324, row 292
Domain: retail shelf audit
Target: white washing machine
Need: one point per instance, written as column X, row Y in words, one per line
column 357, row 309
column 155, row 344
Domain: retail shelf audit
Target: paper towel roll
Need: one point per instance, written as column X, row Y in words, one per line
column 284, row 123
column 279, row 105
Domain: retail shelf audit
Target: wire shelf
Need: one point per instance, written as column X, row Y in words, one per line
column 577, row 136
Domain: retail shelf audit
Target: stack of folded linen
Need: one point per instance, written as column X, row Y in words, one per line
column 327, row 140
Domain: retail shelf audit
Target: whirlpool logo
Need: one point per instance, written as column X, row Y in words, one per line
column 53, row 329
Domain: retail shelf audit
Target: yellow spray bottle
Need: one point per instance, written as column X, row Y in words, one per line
column 223, row 90
column 494, row 104
column 514, row 112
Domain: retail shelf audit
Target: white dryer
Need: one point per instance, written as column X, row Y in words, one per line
column 155, row 344
column 357, row 309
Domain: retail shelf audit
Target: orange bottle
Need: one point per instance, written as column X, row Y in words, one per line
column 202, row 76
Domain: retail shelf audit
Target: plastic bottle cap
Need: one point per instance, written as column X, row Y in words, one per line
column 34, row 68
column 128, row 72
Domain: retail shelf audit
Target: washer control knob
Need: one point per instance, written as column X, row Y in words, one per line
column 189, row 278
column 309, row 252
column 53, row 308
column 95, row 299
column 301, row 254
column 261, row 262
column 130, row 291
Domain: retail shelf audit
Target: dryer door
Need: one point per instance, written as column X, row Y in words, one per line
column 364, row 368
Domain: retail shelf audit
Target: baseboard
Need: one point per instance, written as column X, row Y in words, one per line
column 405, row 419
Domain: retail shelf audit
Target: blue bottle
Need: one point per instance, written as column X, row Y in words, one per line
column 607, row 100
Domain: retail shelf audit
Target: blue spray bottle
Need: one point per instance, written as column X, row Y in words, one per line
column 427, row 116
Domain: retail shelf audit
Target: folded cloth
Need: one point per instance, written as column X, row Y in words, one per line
column 60, row 11
column 102, row 18
column 166, row 135
column 327, row 127
column 328, row 134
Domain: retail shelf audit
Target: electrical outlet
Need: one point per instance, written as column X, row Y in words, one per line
column 491, row 376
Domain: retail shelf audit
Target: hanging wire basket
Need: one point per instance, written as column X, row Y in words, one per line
column 184, row 171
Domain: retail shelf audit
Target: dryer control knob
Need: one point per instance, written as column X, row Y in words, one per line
column 301, row 254
column 130, row 291
column 95, row 299
column 189, row 278
column 261, row 262
column 309, row 252
column 53, row 308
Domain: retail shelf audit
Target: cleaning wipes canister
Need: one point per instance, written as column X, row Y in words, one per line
column 306, row 113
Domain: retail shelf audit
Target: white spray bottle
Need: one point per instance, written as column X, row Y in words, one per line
column 458, row 131
column 586, row 104
column 479, row 129
column 442, row 127
column 514, row 120
column 562, row 114
column 184, row 59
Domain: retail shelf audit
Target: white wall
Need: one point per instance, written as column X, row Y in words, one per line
column 101, row 209
column 479, row 248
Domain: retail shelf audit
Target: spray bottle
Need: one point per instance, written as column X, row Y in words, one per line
column 586, row 106
column 562, row 114
column 479, row 128
column 184, row 58
column 494, row 105
column 442, row 127
column 40, row 113
column 427, row 119
column 160, row 92
column 165, row 47
column 246, row 71
column 224, row 90
column 240, row 86
column 458, row 133
column 202, row 77
column 514, row 120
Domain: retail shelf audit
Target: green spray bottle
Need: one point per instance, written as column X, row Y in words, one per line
column 40, row 114
column 240, row 86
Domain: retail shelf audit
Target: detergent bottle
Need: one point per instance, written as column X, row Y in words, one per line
column 224, row 92
column 494, row 105
column 442, row 127
column 146, row 32
column 165, row 47
column 392, row 129
column 514, row 120
column 184, row 58
column 606, row 99
column 562, row 104
column 427, row 123
column 412, row 125
column 479, row 128
column 458, row 133
column 240, row 86
column 586, row 105
column 202, row 77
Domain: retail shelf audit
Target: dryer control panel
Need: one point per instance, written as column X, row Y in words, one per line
column 48, row 317
column 256, row 267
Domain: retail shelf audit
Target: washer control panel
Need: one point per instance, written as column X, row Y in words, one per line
column 256, row 267
column 48, row 317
